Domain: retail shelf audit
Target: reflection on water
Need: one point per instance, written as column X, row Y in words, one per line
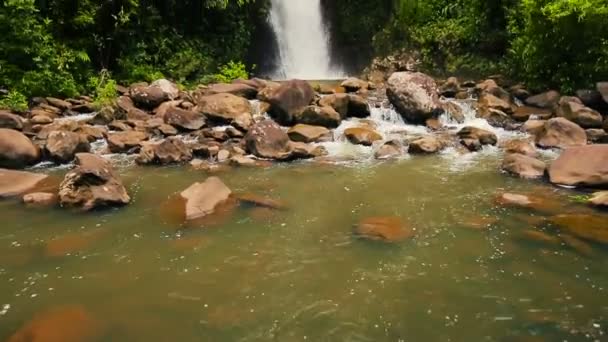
column 288, row 275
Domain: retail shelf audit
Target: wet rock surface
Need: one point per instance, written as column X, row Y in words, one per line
column 386, row 229
column 202, row 199
column 585, row 166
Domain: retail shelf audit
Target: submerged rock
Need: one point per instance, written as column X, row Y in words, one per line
column 562, row 133
column 201, row 199
column 169, row 151
column 523, row 166
column 260, row 201
column 362, row 135
column 40, row 199
column 14, row 183
column 387, row 229
column 539, row 237
column 390, row 149
column 92, row 184
column 290, row 98
column 539, row 203
column 414, row 96
column 266, row 139
column 16, row 150
column 62, row 146
column 585, row 166
column 588, row 227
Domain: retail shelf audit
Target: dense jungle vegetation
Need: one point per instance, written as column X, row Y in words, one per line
column 65, row 47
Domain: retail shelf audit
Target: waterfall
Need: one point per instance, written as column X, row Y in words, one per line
column 302, row 39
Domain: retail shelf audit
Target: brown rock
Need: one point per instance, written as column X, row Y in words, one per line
column 60, row 324
column 450, row 87
column 353, row 84
column 362, row 136
column 539, row 203
column 474, row 138
column 16, row 150
column 579, row 246
column 599, row 199
column 14, row 183
column 92, row 184
column 581, row 166
column 290, row 98
column 40, row 199
column 129, row 142
column 547, row 100
column 489, row 101
column 153, row 95
column 300, row 150
column 520, row 146
column 588, row 227
column 237, row 89
column 260, row 201
column 10, row 121
column 184, row 119
column 201, row 199
column 357, row 107
column 62, row 146
column 559, row 132
column 414, row 96
column 425, row 145
column 534, row 127
column 319, row 116
column 169, row 151
column 225, row 109
column 339, row 102
column 387, row 229
column 71, row 243
column 242, row 161
column 308, row 133
column 523, row 166
column 267, row 140
column 578, row 113
column 523, row 113
column 540, row 237
column 41, row 120
column 388, row 150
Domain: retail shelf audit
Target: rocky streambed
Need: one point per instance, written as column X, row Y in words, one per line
column 259, row 210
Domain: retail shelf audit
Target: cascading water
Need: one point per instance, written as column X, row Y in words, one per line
column 302, row 39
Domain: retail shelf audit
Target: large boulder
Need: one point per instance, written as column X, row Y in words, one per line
column 184, row 119
column 488, row 102
column 62, row 146
column 16, row 150
column 13, row 183
column 357, row 107
column 585, row 166
column 425, row 145
column 386, row 229
column 319, row 116
column 474, row 138
column 169, row 151
column 10, row 120
column 92, row 184
column 520, row 146
column 523, row 166
column 151, row 96
column 202, row 199
column 362, row 135
column 126, row 142
column 450, row 87
column 308, row 133
column 289, row 99
column 547, row 100
column 237, row 89
column 266, row 139
column 339, row 102
column 490, row 86
column 561, row 133
column 226, row 109
column 414, row 96
column 578, row 113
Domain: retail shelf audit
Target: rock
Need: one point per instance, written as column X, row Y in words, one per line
column 579, row 246
column 559, row 132
column 434, row 124
column 547, row 100
column 591, row 98
column 300, row 150
column 223, row 155
column 474, row 138
column 105, row 116
column 596, row 135
column 588, row 227
column 362, row 135
column 226, row 109
column 450, row 88
column 92, row 184
column 169, row 151
column 259, row 201
column 121, row 126
column 488, row 101
column 257, row 83
column 599, row 199
column 353, row 84
column 308, row 133
column 14, row 183
column 519, row 92
column 266, row 139
column 541, row 203
column 602, row 88
column 290, row 98
column 10, row 121
column 520, row 146
column 126, row 142
column 71, row 243
column 453, row 111
column 40, row 199
column 539, row 237
column 414, row 96
column 534, row 127
column 425, row 145
column 153, row 95
column 61, row 104
column 319, row 116
column 339, row 102
column 496, row 117
column 237, row 89
column 62, row 146
column 60, row 324
column 579, row 113
column 523, row 113
column 490, row 86
column 523, row 166
column 242, row 161
column 161, row 110
column 265, row 93
column 585, row 166
column 184, row 119
column 84, row 108
column 201, row 199
column 41, row 120
column 16, row 150
column 357, row 107
column 387, row 229
column 388, row 150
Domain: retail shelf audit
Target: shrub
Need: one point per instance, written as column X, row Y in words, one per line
column 14, row 101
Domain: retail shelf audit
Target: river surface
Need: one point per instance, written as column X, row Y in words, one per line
column 256, row 274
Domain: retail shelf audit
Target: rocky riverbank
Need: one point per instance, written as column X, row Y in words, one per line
column 256, row 122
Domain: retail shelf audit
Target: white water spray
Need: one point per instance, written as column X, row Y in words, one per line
column 302, row 39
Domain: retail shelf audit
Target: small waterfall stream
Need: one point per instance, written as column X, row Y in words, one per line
column 302, row 39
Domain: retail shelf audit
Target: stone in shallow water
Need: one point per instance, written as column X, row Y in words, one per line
column 523, row 166
column 201, row 199
column 538, row 236
column 71, row 243
column 589, row 227
column 536, row 202
column 362, row 136
column 40, row 199
column 261, row 201
column 13, row 183
column 480, row 222
column 388, row 229
column 60, row 324
column 599, row 199
column 581, row 166
column 578, row 245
